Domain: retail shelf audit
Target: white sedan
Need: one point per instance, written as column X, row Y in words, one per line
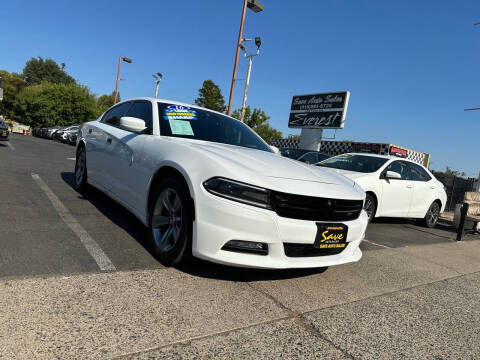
column 206, row 185
column 395, row 187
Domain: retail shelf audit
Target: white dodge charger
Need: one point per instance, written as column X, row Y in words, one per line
column 394, row 187
column 206, row 185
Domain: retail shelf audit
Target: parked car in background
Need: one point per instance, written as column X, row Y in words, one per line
column 206, row 184
column 62, row 134
column 394, row 187
column 306, row 156
column 4, row 131
column 72, row 137
column 51, row 131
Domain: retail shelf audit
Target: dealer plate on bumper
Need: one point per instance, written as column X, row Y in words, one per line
column 331, row 236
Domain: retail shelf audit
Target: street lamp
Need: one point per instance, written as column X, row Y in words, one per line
column 256, row 6
column 157, row 78
column 258, row 42
column 120, row 59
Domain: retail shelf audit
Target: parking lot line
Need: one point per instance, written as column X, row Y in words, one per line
column 371, row 242
column 91, row 245
column 10, row 146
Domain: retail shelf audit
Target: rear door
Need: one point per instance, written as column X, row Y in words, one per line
column 423, row 193
column 397, row 194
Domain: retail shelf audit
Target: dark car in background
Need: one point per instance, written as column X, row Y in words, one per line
column 4, row 132
column 306, row 156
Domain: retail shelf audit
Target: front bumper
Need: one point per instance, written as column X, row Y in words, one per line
column 219, row 220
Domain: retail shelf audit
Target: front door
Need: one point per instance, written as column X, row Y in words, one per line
column 397, row 194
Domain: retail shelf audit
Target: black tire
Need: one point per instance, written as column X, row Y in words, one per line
column 170, row 222
column 370, row 207
column 431, row 218
column 80, row 173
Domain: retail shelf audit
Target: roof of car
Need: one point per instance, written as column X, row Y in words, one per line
column 171, row 102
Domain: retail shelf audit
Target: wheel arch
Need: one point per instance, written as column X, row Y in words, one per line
column 169, row 169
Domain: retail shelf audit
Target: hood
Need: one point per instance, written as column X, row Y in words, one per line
column 272, row 170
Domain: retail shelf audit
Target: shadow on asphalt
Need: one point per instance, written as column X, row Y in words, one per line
column 112, row 210
column 415, row 225
column 124, row 219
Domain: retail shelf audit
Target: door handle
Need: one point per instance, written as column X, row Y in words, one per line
column 409, row 186
column 432, row 187
column 89, row 131
column 109, row 140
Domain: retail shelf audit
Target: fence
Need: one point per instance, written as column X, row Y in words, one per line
column 456, row 187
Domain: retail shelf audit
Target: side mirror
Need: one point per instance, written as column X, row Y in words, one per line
column 392, row 175
column 132, row 124
column 275, row 149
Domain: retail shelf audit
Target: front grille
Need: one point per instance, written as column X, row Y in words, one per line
column 315, row 208
column 308, row 250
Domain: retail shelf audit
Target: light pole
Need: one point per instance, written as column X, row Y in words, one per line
column 256, row 6
column 157, row 78
column 128, row 60
column 258, row 42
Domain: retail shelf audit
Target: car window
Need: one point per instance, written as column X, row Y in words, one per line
column 142, row 110
column 357, row 163
column 292, row 153
column 399, row 167
column 418, row 173
column 198, row 124
column 113, row 116
column 309, row 158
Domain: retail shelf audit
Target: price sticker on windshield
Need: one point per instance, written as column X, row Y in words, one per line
column 179, row 112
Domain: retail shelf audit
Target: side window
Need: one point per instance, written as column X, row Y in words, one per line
column 142, row 110
column 418, row 173
column 113, row 116
column 399, row 167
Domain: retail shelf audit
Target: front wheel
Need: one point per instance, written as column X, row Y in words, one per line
column 432, row 216
column 170, row 223
column 80, row 181
column 370, row 206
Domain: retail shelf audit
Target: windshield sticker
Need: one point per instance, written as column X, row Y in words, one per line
column 180, row 127
column 179, row 112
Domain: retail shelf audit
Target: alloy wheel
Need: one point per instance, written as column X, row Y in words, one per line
column 369, row 207
column 433, row 214
column 167, row 219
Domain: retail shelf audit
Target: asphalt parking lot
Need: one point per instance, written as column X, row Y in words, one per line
column 415, row 293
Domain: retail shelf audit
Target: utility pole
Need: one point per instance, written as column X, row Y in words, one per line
column 128, row 60
column 157, row 78
column 258, row 42
column 256, row 7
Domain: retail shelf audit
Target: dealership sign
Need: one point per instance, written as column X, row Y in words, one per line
column 319, row 111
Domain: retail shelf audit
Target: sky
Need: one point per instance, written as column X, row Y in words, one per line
column 411, row 66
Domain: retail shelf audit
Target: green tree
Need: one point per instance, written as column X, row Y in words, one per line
column 258, row 121
column 293, row 137
column 38, row 70
column 210, row 97
column 55, row 104
column 12, row 84
column 105, row 101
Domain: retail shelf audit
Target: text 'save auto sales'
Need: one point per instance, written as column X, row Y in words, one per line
column 319, row 111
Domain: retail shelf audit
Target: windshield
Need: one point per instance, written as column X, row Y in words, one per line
column 358, row 163
column 191, row 123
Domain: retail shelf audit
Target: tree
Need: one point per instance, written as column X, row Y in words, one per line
column 55, row 104
column 258, row 121
column 105, row 101
column 293, row 137
column 39, row 70
column 12, row 84
column 210, row 97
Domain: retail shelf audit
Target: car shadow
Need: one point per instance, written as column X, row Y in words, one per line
column 414, row 224
column 112, row 210
column 197, row 267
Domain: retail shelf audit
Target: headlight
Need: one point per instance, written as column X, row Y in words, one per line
column 236, row 191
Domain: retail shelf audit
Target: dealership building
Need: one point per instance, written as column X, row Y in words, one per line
column 341, row 147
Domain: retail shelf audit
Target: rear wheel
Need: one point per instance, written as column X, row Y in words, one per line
column 432, row 216
column 80, row 181
column 170, row 223
column 370, row 206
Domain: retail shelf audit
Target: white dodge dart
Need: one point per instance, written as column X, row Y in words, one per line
column 394, row 187
column 206, row 185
